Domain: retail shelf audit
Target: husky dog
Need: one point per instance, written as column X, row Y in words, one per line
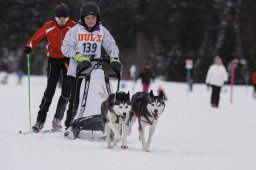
column 115, row 112
column 146, row 108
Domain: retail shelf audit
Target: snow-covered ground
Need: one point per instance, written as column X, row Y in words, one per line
column 190, row 135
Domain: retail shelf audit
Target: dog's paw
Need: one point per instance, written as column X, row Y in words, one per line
column 146, row 148
column 124, row 147
column 109, row 146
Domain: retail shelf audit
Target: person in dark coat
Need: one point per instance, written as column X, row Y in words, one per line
column 254, row 84
column 146, row 76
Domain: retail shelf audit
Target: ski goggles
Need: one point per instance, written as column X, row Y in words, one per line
column 62, row 19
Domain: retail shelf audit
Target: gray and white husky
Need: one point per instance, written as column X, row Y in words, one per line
column 115, row 111
column 146, row 108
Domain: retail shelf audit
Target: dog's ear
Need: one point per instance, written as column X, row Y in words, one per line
column 161, row 95
column 128, row 95
column 151, row 94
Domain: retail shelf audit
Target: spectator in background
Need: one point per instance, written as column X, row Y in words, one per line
column 20, row 75
column 146, row 76
column 254, row 84
column 216, row 77
column 4, row 78
column 132, row 72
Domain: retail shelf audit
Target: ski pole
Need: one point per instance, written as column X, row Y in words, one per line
column 118, row 79
column 29, row 106
column 118, row 83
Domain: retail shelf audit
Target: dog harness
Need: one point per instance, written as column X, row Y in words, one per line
column 148, row 121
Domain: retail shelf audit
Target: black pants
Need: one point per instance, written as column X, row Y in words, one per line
column 75, row 84
column 254, row 87
column 55, row 67
column 215, row 98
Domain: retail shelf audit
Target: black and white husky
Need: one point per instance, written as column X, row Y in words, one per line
column 146, row 108
column 115, row 111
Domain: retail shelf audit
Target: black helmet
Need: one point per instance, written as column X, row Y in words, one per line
column 90, row 8
column 61, row 10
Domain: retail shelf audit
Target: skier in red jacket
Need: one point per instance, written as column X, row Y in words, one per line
column 54, row 31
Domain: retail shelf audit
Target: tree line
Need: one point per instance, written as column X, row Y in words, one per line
column 163, row 33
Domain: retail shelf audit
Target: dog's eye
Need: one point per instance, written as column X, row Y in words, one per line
column 152, row 104
column 126, row 107
column 120, row 107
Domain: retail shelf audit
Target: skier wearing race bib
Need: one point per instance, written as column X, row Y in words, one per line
column 82, row 43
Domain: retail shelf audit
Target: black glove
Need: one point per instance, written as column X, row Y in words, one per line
column 208, row 86
column 82, row 66
column 27, row 50
column 116, row 65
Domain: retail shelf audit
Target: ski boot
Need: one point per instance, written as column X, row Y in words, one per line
column 37, row 127
column 56, row 124
column 73, row 131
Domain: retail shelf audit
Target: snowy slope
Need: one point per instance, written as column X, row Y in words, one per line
column 190, row 135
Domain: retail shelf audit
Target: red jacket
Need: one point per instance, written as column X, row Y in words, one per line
column 54, row 36
column 254, row 78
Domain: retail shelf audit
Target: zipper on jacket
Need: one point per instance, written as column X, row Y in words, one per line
column 60, row 37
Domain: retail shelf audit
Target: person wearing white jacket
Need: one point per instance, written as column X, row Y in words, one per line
column 83, row 43
column 216, row 78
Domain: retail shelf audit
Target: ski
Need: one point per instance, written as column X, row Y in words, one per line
column 25, row 132
column 42, row 131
